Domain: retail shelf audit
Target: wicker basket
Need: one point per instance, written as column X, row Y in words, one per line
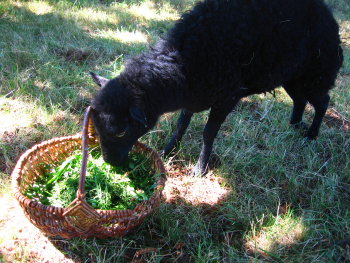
column 79, row 219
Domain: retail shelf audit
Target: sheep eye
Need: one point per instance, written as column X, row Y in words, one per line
column 121, row 134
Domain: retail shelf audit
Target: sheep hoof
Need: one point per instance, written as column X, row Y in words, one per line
column 300, row 126
column 311, row 137
column 197, row 171
column 165, row 154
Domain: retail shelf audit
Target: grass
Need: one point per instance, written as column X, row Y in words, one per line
column 288, row 200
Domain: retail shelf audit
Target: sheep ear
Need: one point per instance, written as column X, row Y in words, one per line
column 139, row 115
column 101, row 81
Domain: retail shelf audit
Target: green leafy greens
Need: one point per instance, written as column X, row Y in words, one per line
column 106, row 187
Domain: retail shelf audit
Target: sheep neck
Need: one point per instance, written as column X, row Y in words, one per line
column 159, row 80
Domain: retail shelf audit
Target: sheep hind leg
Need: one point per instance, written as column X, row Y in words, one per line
column 182, row 124
column 320, row 103
column 299, row 103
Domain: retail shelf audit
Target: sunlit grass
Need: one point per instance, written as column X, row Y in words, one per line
column 345, row 32
column 123, row 36
column 148, row 10
column 39, row 7
column 14, row 114
column 94, row 16
column 278, row 235
column 274, row 197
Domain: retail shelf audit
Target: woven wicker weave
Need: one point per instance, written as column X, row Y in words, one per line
column 79, row 219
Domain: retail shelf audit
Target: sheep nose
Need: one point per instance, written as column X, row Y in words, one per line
column 115, row 161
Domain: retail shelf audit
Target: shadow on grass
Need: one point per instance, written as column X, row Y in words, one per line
column 180, row 231
column 183, row 232
column 55, row 73
column 46, row 62
column 64, row 51
column 179, row 5
column 242, row 226
column 175, row 233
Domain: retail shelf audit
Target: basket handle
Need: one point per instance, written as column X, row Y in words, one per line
column 79, row 214
column 85, row 139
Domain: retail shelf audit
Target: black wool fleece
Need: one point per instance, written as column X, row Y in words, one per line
column 216, row 54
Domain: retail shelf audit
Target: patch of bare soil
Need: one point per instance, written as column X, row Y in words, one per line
column 180, row 186
column 75, row 55
column 21, row 241
column 252, row 106
column 335, row 119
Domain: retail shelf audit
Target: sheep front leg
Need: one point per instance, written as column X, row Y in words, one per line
column 182, row 124
column 216, row 118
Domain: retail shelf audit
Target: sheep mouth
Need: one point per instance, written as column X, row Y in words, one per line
column 115, row 161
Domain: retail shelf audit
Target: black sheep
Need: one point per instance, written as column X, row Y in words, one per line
column 216, row 54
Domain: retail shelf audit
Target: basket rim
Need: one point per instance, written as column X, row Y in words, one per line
column 25, row 157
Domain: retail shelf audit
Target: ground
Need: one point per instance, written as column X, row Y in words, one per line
column 272, row 197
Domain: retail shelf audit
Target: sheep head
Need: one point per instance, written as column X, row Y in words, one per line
column 118, row 118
